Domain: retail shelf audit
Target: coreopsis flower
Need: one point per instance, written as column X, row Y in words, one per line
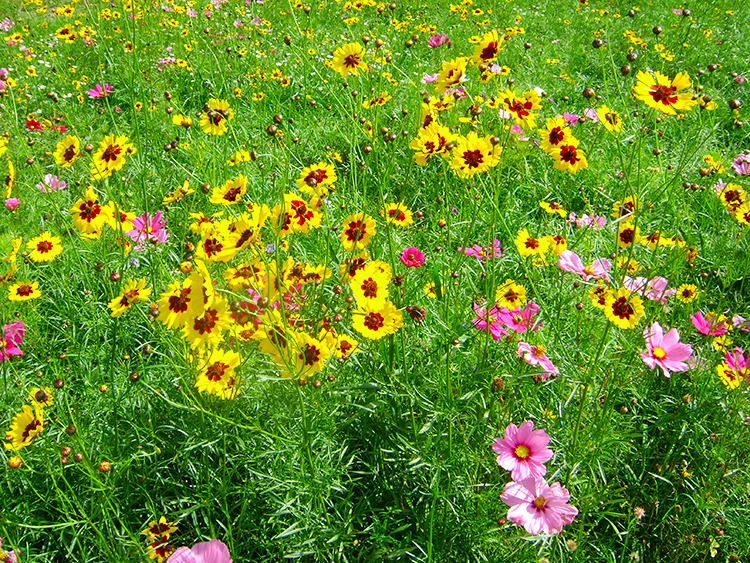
column 537, row 506
column 610, row 119
column 535, row 356
column 178, row 303
column 625, row 207
column 231, row 192
column 89, row 217
column 554, row 135
column 552, row 207
column 734, row 369
column 451, row 75
column 599, row 294
column 732, row 196
column 213, row 248
column 216, row 374
column 556, row 243
column 569, row 261
column 432, row 139
column 245, row 230
column 473, row 154
column 11, row 335
column 370, row 285
column 25, row 426
column 110, row 156
column 67, row 151
column 377, row 101
column 161, row 528
column 178, row 193
column 302, row 215
column 132, row 292
column 348, row 59
column 183, row 120
column 665, row 350
column 24, row 291
column 412, row 257
column 660, row 92
column 357, row 231
column 159, row 549
column 627, row 234
column 204, row 224
column 687, row 293
column 311, row 355
column 398, row 214
column 521, row 107
column 216, row 114
column 624, row 308
column 487, row 49
column 529, row 246
column 510, row 294
column 523, row 451
column 351, row 265
column 45, row 247
column 314, row 178
column 344, row 346
column 212, row 551
column 206, row 328
column 742, row 213
column 377, row 323
column 568, row 157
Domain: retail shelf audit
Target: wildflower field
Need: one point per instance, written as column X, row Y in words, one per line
column 365, row 281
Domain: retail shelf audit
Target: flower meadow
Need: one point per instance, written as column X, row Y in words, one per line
column 367, row 281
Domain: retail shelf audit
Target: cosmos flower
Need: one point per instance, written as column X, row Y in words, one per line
column 11, row 336
column 212, row 551
column 665, row 350
column 480, row 252
column 537, row 506
column 100, row 92
column 535, row 356
column 51, row 183
column 412, row 257
column 570, row 262
column 523, row 451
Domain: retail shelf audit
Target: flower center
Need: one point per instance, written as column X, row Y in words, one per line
column 622, row 308
column 539, row 503
column 473, row 159
column 522, row 451
column 658, row 353
column 374, row 321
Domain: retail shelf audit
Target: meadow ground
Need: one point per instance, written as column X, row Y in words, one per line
column 359, row 281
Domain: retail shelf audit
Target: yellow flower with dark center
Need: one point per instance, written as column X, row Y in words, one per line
column 556, row 243
column 43, row 397
column 398, row 214
column 377, row 323
column 487, row 49
column 179, row 303
column 183, row 120
column 67, row 152
column 530, row 246
column 216, row 373
column 377, row 100
column 357, row 231
column 660, row 92
column 44, row 248
column 160, row 529
column 521, row 107
column 178, row 193
column 24, row 291
column 473, row 155
column 216, row 114
column 132, row 292
column 451, row 75
column 568, row 157
column 231, row 192
column 348, row 59
column 301, row 214
column 599, row 294
column 205, row 329
column 311, row 355
column 370, row 285
column 687, row 293
column 555, row 135
column 314, row 178
column 732, row 196
column 89, row 216
column 510, row 294
column 553, row 207
column 433, row 139
column 742, row 214
column 610, row 119
column 624, row 308
column 25, row 426
column 110, row 156
column 627, row 235
column 626, row 206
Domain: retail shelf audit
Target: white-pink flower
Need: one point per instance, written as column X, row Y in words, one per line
column 665, row 350
column 654, row 289
column 51, row 183
column 535, row 356
column 523, row 451
column 569, row 261
column 212, row 551
column 537, row 506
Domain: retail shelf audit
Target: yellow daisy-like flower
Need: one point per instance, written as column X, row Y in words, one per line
column 398, row 214
column 375, row 324
column 162, row 528
column 554, row 135
column 217, row 373
column 529, row 246
column 661, row 93
column 474, row 154
column 451, row 75
column 348, row 59
column 432, row 139
column 521, row 107
column 311, row 355
column 624, row 308
column 553, row 207
column 24, row 291
column 599, row 294
column 206, row 328
column 25, row 426
column 178, row 193
column 183, row 120
column 179, row 303
column 110, row 156
column 568, row 157
column 556, row 243
column 510, row 295
column 44, row 248
column 231, row 192
column 627, row 235
column 89, row 216
column 626, row 206
column 742, row 214
column 370, row 285
column 314, row 178
column 610, row 119
column 488, row 48
column 357, row 231
column 215, row 115
column 67, row 151
column 133, row 291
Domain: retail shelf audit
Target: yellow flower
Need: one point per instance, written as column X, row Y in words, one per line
column 183, row 120
column 23, row 291
column 44, row 248
column 569, row 157
column 217, row 373
column 529, row 246
column 610, row 119
column 377, row 323
column 67, row 151
column 398, row 214
column 553, row 207
column 370, row 285
column 110, row 156
column 133, row 291
column 624, row 308
column 26, row 426
column 231, row 192
column 348, row 59
column 510, row 295
column 661, row 93
column 473, row 154
column 216, row 113
column 451, row 75
column 357, row 231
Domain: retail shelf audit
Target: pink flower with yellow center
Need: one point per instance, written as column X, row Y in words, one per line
column 523, row 451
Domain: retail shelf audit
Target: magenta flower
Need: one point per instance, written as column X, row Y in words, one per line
column 100, row 92
column 523, row 451
column 212, row 551
column 741, row 164
column 537, row 506
column 412, row 257
column 148, row 228
column 51, row 183
column 535, row 356
column 438, row 39
column 12, row 335
column 487, row 320
column 10, row 556
column 665, row 350
column 479, row 252
column 736, row 361
column 519, row 320
column 570, row 262
column 11, row 203
column 570, row 118
column 708, row 326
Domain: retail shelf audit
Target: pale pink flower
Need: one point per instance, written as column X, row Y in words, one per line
column 535, row 356
column 100, row 92
column 569, row 261
column 523, row 451
column 741, row 323
column 591, row 114
column 479, row 252
column 708, row 326
column 654, row 289
column 51, row 183
column 11, row 336
column 570, row 118
column 212, row 551
column 665, row 350
column 429, row 78
column 741, row 164
column 519, row 319
column 537, row 506
column 593, row 222
column 486, row 320
column 11, row 203
column 412, row 257
column 6, row 24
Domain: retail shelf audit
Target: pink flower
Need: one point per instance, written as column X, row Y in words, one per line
column 11, row 203
column 535, row 356
column 212, row 551
column 665, row 350
column 654, row 289
column 51, row 183
column 570, row 262
column 99, row 92
column 736, row 361
column 438, row 39
column 148, row 228
column 708, row 326
column 570, row 118
column 741, row 164
column 412, row 257
column 594, row 222
column 591, row 115
column 523, row 451
column 429, row 78
column 479, row 252
column 12, row 335
column 741, row 323
column 519, row 320
column 487, row 320
column 537, row 506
